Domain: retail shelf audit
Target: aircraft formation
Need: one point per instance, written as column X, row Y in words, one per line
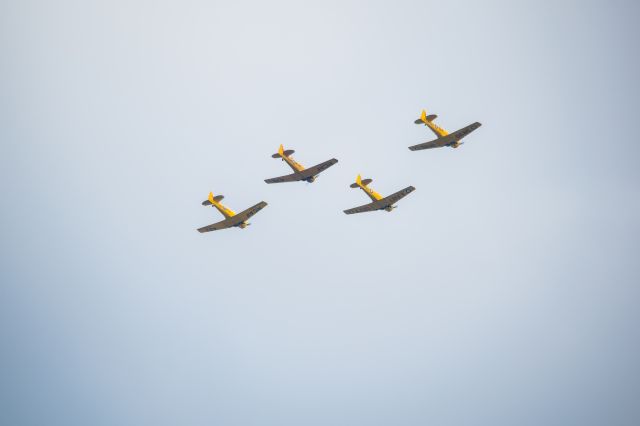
column 300, row 173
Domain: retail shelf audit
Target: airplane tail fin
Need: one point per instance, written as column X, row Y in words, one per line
column 210, row 200
column 282, row 153
column 360, row 182
column 424, row 118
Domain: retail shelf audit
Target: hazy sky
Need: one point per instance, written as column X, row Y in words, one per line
column 503, row 291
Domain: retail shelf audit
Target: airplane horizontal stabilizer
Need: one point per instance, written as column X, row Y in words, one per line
column 282, row 153
column 359, row 181
column 424, row 118
column 211, row 199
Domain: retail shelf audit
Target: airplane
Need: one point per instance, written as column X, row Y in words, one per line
column 231, row 218
column 379, row 202
column 454, row 140
column 299, row 172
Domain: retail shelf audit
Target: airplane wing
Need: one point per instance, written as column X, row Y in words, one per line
column 318, row 168
column 383, row 203
column 227, row 223
column 305, row 174
column 446, row 140
column 246, row 214
column 365, row 208
column 428, row 145
column 459, row 134
column 396, row 196
column 293, row 177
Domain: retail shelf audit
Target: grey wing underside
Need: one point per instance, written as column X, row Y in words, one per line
column 459, row 134
column 397, row 196
column 362, row 209
column 447, row 140
column 318, row 168
column 428, row 145
column 294, row 177
column 246, row 214
column 382, row 203
column 305, row 174
column 234, row 220
column 224, row 224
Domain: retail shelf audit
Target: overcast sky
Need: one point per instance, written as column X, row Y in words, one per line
column 503, row 291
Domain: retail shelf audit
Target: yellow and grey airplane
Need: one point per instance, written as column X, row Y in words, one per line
column 454, row 140
column 299, row 172
column 378, row 201
column 231, row 218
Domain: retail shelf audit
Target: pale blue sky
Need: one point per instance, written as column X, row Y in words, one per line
column 504, row 291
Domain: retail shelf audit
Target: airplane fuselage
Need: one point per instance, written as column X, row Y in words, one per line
column 437, row 130
column 370, row 192
column 374, row 196
column 297, row 167
column 226, row 212
column 440, row 133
